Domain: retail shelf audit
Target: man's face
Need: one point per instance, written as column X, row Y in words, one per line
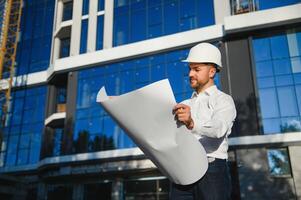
column 200, row 74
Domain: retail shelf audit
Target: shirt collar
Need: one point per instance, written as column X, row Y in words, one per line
column 209, row 91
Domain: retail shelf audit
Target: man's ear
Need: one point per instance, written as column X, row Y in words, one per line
column 212, row 72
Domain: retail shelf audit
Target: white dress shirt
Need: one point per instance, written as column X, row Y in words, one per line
column 213, row 113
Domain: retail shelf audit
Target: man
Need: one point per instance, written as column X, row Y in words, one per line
column 209, row 114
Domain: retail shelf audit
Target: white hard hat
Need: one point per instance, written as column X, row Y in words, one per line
column 204, row 53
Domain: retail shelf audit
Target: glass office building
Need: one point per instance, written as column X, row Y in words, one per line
column 58, row 143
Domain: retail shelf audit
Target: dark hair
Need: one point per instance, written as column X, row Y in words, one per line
column 215, row 66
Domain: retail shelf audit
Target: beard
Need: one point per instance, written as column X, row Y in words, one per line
column 197, row 85
column 194, row 83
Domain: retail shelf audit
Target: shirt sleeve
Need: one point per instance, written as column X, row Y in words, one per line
column 219, row 123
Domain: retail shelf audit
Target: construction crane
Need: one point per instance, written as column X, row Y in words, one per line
column 10, row 18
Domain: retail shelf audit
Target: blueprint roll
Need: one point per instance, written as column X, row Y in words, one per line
column 146, row 116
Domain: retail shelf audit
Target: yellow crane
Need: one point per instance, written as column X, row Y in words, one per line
column 10, row 18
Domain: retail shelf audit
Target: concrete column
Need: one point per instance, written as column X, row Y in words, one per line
column 221, row 9
column 108, row 24
column 56, row 48
column 76, row 27
column 295, row 158
column 92, row 26
column 59, row 14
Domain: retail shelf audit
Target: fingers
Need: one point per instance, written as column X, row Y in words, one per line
column 182, row 112
column 182, row 117
column 180, row 108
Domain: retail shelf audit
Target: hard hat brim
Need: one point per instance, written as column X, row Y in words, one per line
column 189, row 61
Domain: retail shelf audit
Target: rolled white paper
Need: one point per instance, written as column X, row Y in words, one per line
column 146, row 116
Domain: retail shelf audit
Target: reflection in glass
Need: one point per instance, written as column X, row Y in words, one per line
column 291, row 124
column 278, row 161
column 278, row 74
column 85, row 142
column 137, row 20
column 22, row 141
column 294, row 46
column 296, row 64
column 34, row 44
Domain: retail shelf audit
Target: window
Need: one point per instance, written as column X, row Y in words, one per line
column 278, row 160
column 22, row 136
column 85, row 7
column 99, row 36
column 278, row 75
column 84, row 36
column 67, row 10
column 101, row 5
column 33, row 52
column 57, row 141
column 65, row 47
column 94, row 129
column 139, row 20
column 243, row 6
column 266, row 4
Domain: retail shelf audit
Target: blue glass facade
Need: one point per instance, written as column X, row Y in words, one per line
column 22, row 135
column 84, row 36
column 93, row 125
column 99, row 27
column 99, row 32
column 85, row 7
column 101, row 5
column 33, row 52
column 138, row 20
column 278, row 74
column 267, row 4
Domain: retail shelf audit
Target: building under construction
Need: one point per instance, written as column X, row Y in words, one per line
column 58, row 143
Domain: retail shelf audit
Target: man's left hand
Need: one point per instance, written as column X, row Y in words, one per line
column 183, row 115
